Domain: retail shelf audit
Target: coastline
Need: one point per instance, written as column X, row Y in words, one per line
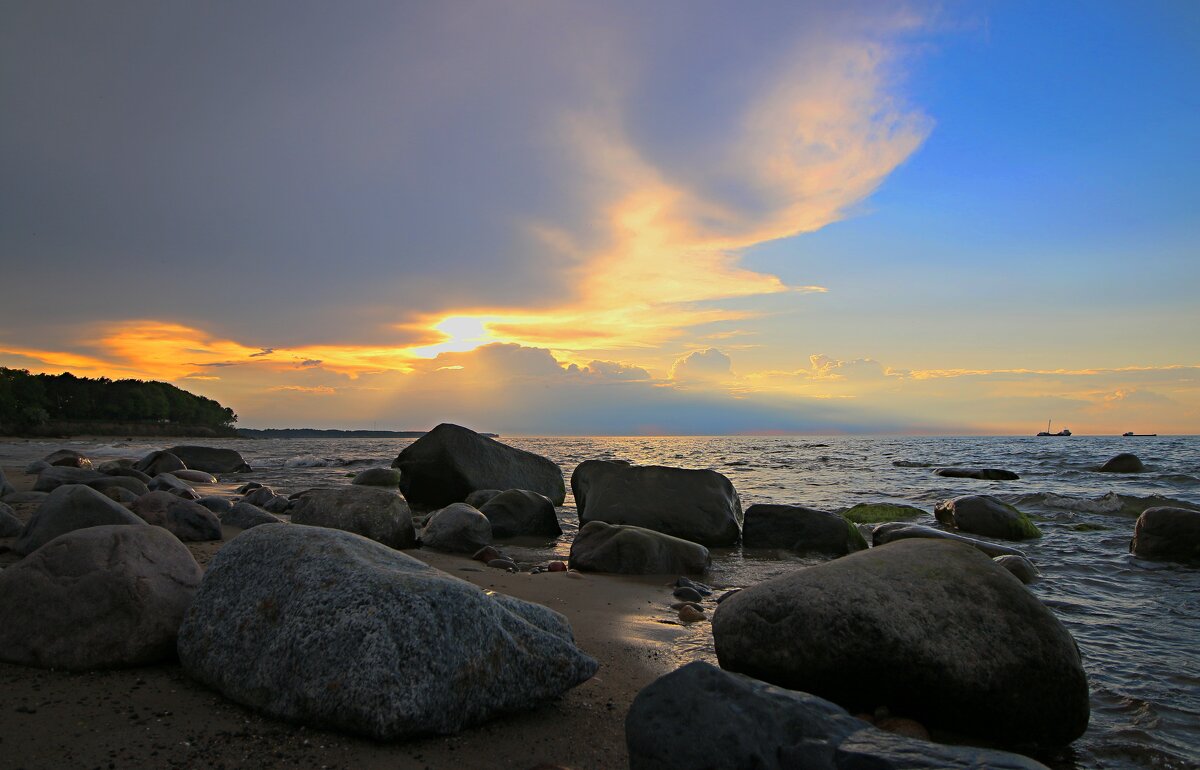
column 157, row 717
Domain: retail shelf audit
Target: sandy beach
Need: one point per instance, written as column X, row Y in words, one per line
column 157, row 717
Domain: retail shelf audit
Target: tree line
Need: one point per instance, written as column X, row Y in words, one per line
column 29, row 401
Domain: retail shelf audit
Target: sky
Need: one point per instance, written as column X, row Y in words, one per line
column 621, row 218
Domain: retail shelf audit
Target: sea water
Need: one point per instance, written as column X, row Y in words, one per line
column 1137, row 623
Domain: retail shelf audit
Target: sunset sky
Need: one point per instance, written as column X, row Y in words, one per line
column 612, row 217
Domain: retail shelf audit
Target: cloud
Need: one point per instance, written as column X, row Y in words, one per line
column 709, row 365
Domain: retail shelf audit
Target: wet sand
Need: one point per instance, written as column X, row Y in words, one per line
column 157, row 717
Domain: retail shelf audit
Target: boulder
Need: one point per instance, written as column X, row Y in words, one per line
column 458, row 528
column 132, row 473
column 68, row 458
column 210, row 459
column 101, row 597
column 1164, row 533
column 480, row 496
column 120, row 464
column 368, row 511
column 26, row 497
column 800, row 529
column 378, row 477
column 891, row 532
column 120, row 494
column 259, row 495
column 125, row 482
column 332, row 630
column 5, row 487
column 54, row 476
column 245, row 516
column 987, row 516
column 935, row 631
column 1022, row 568
column 278, row 504
column 169, row 482
column 876, row 513
column 187, row 520
column 10, row 525
column 517, row 512
column 216, row 504
column 629, row 550
column 697, row 505
column 194, row 476
column 450, row 462
column 36, row 467
column 699, row 716
column 1123, row 463
column 70, row 507
column 988, row 474
column 159, row 462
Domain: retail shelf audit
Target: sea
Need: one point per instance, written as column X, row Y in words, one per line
column 1137, row 623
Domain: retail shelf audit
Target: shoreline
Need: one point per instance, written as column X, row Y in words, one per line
column 156, row 716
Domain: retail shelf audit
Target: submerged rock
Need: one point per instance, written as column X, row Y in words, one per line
column 629, row 550
column 100, row 597
column 875, row 513
column 70, row 507
column 934, row 630
column 517, row 512
column 375, row 513
column 210, row 459
column 336, row 631
column 988, row 474
column 987, row 516
column 457, row 528
column 378, row 477
column 1167, row 534
column 697, row 505
column 1022, row 568
column 1123, row 463
column 699, row 716
column 450, row 462
column 891, row 532
column 800, row 529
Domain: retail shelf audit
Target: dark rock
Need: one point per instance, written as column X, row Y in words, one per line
column 159, row 462
column 259, row 495
column 10, row 525
column 68, row 458
column 210, row 459
column 335, row 631
column 1123, row 463
column 890, row 533
column 194, row 476
column 601, row 547
column 697, row 505
column 556, row 566
column 132, row 473
column 278, row 504
column 5, row 487
column 70, row 507
column 35, row 467
column 687, row 594
column 248, row 487
column 698, row 587
column 450, row 462
column 699, row 716
column 121, row 495
column 876, row 513
column 125, row 482
column 502, row 564
column 245, row 516
column 109, row 466
column 1167, row 534
column 56, row 476
column 988, row 474
column 517, row 512
column 100, row 597
column 689, row 613
column 480, row 496
column 934, row 630
column 218, row 505
column 800, row 529
column 987, row 516
column 378, row 477
column 26, row 497
column 187, row 520
column 1022, row 568
column 168, row 482
column 152, row 506
column 486, row 554
column 457, row 528
column 375, row 513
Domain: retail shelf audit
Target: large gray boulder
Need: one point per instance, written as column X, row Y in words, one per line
column 480, row 496
column 876, row 513
column 159, row 462
column 55, row 476
column 933, row 630
column 10, row 525
column 259, row 496
column 893, row 531
column 68, row 458
column 333, row 630
column 375, row 513
column 187, row 520
column 125, row 482
column 450, row 462
column 628, row 550
column 122, row 470
column 987, row 516
column 1123, row 463
column 988, row 474
column 378, row 477
column 246, row 516
column 210, row 459
column 194, row 476
column 1164, row 533
column 800, row 529
column 101, row 597
column 458, row 528
column 517, row 512
column 70, row 507
column 217, row 504
column 699, row 716
column 169, row 482
column 697, row 505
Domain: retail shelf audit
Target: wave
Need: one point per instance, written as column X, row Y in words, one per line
column 312, row 461
column 911, row 464
column 1111, row 503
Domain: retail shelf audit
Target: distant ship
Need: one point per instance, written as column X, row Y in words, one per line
column 1046, row 432
column 1140, row 435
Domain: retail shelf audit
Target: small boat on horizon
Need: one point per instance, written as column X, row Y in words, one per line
column 1046, row 432
column 1138, row 435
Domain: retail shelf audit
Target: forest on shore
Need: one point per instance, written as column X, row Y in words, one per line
column 63, row 404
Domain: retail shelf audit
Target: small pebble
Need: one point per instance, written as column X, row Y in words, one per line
column 573, row 573
column 486, row 554
column 557, row 566
column 502, row 564
column 901, row 726
column 689, row 614
column 686, row 582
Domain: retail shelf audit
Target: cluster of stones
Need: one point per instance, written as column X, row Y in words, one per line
column 324, row 621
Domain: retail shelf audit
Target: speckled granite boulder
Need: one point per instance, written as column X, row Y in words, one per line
column 100, row 597
column 699, row 716
column 70, row 507
column 987, row 516
column 1164, row 533
column 332, row 630
column 457, row 528
column 259, row 495
column 247, row 516
column 10, row 525
column 800, row 529
column 379, row 514
column 210, row 459
column 186, row 519
column 450, row 462
column 517, row 512
column 217, row 504
column 378, row 477
column 933, row 630
column 628, row 550
column 893, row 531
